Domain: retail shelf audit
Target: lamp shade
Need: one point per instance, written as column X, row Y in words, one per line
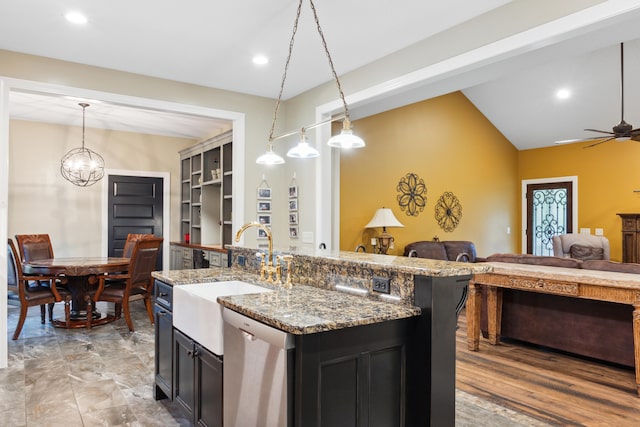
column 303, row 150
column 383, row 217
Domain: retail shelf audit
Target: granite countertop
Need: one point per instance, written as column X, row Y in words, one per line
column 307, row 310
column 299, row 310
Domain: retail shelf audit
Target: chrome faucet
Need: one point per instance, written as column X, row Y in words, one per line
column 272, row 271
column 361, row 247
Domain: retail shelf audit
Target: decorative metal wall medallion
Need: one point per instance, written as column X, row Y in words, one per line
column 413, row 194
column 448, row 211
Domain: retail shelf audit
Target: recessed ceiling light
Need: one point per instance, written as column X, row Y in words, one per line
column 76, row 18
column 563, row 94
column 260, row 60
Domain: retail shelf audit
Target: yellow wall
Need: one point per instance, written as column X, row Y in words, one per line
column 448, row 143
column 607, row 175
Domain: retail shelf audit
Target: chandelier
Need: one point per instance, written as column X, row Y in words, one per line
column 81, row 166
column 346, row 138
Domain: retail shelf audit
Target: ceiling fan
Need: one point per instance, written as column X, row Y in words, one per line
column 623, row 131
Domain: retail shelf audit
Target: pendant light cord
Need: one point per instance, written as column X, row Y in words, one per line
column 84, row 107
column 286, row 66
column 326, row 50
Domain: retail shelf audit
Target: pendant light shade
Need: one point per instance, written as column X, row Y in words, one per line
column 81, row 166
column 346, row 139
column 270, row 158
column 303, row 150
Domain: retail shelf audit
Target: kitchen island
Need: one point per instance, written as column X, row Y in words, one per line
column 360, row 357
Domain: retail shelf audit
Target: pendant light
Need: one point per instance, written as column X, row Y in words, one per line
column 346, row 138
column 81, row 166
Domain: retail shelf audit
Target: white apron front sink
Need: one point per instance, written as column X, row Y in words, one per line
column 197, row 313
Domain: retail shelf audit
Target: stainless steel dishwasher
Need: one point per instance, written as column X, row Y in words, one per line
column 257, row 373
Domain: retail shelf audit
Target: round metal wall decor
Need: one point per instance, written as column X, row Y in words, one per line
column 413, row 194
column 448, row 211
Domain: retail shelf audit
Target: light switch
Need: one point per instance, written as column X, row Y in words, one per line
column 599, row 232
column 585, row 231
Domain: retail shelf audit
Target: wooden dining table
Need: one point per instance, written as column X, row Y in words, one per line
column 81, row 275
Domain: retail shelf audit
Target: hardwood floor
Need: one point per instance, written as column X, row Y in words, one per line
column 554, row 388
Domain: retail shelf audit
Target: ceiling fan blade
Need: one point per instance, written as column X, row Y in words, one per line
column 599, row 142
column 600, row 131
column 593, row 138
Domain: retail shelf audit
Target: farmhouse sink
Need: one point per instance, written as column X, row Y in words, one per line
column 197, row 313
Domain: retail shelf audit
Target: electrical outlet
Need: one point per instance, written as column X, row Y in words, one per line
column 241, row 260
column 382, row 284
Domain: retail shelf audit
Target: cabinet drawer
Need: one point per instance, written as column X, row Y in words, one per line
column 215, row 259
column 163, row 295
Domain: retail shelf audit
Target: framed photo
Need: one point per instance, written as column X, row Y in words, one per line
column 293, row 191
column 293, row 218
column 293, row 204
column 262, row 234
column 264, row 206
column 264, row 193
column 264, row 219
column 293, row 232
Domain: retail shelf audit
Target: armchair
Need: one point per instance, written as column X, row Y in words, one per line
column 581, row 246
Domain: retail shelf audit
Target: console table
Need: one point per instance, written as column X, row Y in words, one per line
column 576, row 283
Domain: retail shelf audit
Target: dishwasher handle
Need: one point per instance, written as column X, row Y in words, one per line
column 254, row 330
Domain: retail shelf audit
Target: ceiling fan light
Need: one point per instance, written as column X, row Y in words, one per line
column 346, row 139
column 270, row 158
column 623, row 138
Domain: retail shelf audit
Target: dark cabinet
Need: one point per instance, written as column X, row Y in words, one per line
column 353, row 377
column 197, row 381
column 630, row 238
column 163, row 308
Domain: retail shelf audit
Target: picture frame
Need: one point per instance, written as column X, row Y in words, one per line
column 264, row 206
column 293, row 191
column 293, row 204
column 261, row 234
column 293, row 218
column 264, row 219
column 264, row 193
column 293, row 232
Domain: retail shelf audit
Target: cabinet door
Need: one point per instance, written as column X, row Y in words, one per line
column 352, row 377
column 163, row 353
column 208, row 388
column 176, row 258
column 629, row 246
column 183, row 372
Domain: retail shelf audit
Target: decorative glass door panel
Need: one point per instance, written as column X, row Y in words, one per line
column 549, row 213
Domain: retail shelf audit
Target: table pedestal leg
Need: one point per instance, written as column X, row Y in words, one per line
column 636, row 343
column 494, row 313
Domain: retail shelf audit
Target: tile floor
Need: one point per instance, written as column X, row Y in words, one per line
column 104, row 377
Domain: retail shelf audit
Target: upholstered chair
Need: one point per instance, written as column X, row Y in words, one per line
column 135, row 284
column 32, row 290
column 581, row 246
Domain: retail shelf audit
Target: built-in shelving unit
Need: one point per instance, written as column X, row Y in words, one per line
column 207, row 196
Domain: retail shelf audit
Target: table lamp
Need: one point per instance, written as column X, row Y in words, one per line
column 384, row 218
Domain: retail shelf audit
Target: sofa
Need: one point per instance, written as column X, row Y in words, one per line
column 452, row 250
column 595, row 329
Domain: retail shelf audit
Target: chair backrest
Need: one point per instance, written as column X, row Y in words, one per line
column 13, row 267
column 131, row 241
column 143, row 261
column 34, row 246
column 574, row 245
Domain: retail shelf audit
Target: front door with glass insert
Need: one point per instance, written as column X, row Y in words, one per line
column 549, row 213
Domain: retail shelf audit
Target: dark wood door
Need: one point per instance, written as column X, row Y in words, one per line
column 135, row 206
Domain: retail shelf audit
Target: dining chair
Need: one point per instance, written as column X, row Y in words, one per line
column 31, row 289
column 133, row 285
column 131, row 241
column 33, row 247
